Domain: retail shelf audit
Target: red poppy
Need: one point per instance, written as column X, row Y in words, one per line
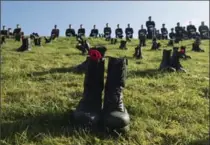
column 182, row 51
column 94, row 54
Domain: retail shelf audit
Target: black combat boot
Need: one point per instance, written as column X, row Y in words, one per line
column 81, row 68
column 89, row 109
column 26, row 45
column 123, row 44
column 115, row 115
column 155, row 44
column 3, row 40
column 170, row 43
column 113, row 40
column 165, row 63
column 182, row 53
column 175, row 63
column 47, row 40
column 138, row 52
column 37, row 41
column 196, row 46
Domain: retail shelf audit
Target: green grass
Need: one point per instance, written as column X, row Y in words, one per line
column 39, row 90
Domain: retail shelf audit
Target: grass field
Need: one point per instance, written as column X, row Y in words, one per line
column 39, row 89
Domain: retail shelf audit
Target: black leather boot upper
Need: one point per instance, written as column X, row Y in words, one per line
column 26, row 45
column 89, row 108
column 165, row 63
column 115, row 114
column 123, row 44
column 175, row 62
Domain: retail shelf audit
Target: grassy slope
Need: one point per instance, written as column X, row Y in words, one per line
column 39, row 90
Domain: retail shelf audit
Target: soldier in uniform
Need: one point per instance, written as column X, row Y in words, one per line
column 191, row 29
column 17, row 33
column 150, row 28
column 94, row 32
column 70, row 32
column 55, row 32
column 185, row 33
column 142, row 36
column 172, row 34
column 119, row 32
column 164, row 32
column 179, row 32
column 204, row 31
column 107, row 32
column 81, row 31
column 129, row 32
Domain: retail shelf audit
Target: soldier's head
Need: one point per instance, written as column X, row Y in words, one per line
column 183, row 28
column 18, row 26
column 190, row 22
column 172, row 29
column 69, row 26
column 80, row 25
column 107, row 24
column 163, row 25
column 142, row 26
column 55, row 26
column 128, row 25
column 118, row 25
column 94, row 26
column 202, row 23
column 4, row 27
column 150, row 18
column 178, row 24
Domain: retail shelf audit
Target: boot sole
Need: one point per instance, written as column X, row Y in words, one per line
column 123, row 130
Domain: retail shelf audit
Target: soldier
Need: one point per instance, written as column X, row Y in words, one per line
column 107, row 32
column 179, row 32
column 203, row 29
column 172, row 34
column 150, row 28
column 4, row 31
column 119, row 32
column 185, row 33
column 142, row 36
column 55, row 32
column 191, row 29
column 70, row 32
column 81, row 31
column 157, row 34
column 129, row 32
column 17, row 33
column 164, row 32
column 94, row 32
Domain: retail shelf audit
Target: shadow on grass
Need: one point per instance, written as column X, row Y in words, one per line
column 147, row 73
column 56, row 70
column 200, row 142
column 52, row 124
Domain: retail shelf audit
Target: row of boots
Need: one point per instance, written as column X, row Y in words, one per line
column 112, row 114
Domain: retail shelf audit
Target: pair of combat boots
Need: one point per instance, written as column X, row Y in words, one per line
column 196, row 46
column 26, row 45
column 171, row 63
column 123, row 44
column 89, row 112
column 138, row 52
column 155, row 45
